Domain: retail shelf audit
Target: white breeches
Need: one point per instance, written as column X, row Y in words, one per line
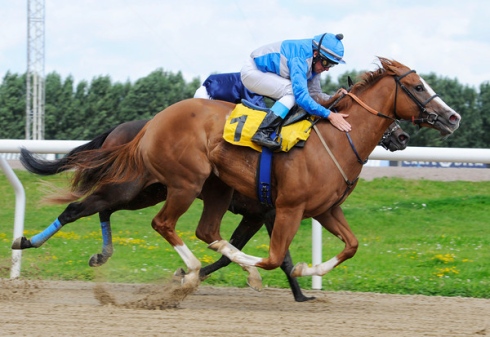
column 267, row 84
column 202, row 92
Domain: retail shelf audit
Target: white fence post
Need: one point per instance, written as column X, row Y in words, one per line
column 316, row 251
column 20, row 206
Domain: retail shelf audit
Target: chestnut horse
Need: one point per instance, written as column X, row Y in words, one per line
column 182, row 148
column 254, row 214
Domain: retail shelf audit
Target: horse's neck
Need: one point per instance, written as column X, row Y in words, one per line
column 367, row 130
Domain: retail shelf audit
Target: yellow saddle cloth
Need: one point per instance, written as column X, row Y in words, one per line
column 243, row 122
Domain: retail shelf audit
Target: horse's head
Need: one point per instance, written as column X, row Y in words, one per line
column 394, row 138
column 415, row 100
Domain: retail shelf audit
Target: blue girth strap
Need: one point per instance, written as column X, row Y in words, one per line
column 264, row 176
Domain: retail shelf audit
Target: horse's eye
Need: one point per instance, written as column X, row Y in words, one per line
column 419, row 88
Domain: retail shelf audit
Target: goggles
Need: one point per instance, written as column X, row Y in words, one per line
column 326, row 63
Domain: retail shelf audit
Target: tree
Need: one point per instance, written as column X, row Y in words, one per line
column 483, row 105
column 153, row 93
column 13, row 106
column 59, row 112
column 101, row 105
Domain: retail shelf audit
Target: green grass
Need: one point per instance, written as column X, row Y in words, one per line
column 416, row 237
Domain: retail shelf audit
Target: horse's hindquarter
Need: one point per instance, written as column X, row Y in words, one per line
column 178, row 140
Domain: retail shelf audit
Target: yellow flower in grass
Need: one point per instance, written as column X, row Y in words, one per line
column 128, row 241
column 441, row 272
column 445, row 258
column 93, row 235
column 67, row 235
column 207, row 259
column 3, row 237
column 30, row 232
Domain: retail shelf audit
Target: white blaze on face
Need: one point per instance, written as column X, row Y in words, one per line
column 438, row 99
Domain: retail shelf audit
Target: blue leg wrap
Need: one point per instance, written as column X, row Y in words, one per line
column 38, row 239
column 106, row 238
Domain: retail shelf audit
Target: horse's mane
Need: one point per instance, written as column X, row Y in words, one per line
column 387, row 67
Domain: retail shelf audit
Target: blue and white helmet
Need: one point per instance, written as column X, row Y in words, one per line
column 331, row 46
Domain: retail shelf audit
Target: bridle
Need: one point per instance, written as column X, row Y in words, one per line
column 431, row 116
column 430, row 119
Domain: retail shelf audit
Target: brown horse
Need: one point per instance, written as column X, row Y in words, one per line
column 254, row 214
column 182, row 148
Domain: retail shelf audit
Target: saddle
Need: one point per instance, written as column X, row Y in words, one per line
column 245, row 119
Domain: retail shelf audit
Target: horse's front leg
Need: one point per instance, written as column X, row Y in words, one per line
column 287, row 265
column 334, row 221
column 216, row 198
column 286, row 225
column 248, row 227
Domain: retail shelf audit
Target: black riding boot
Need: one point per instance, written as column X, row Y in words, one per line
column 262, row 137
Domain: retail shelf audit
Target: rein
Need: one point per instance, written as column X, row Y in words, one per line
column 347, row 181
column 368, row 108
column 431, row 116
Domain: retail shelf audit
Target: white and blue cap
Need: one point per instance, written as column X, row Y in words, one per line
column 330, row 46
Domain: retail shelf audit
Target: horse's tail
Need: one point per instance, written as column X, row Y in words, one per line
column 50, row 167
column 98, row 167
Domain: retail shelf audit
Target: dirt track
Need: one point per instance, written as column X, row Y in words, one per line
column 38, row 308
column 72, row 309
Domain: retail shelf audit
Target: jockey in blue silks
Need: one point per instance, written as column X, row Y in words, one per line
column 289, row 73
column 228, row 87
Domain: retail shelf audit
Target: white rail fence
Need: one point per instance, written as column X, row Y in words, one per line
column 456, row 155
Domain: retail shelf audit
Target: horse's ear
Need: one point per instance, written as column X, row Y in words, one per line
column 387, row 65
column 350, row 83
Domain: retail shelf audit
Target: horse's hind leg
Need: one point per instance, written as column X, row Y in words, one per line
column 178, row 202
column 334, row 221
column 97, row 260
column 150, row 196
column 72, row 212
column 98, row 201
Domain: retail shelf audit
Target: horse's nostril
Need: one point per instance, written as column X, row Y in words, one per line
column 403, row 138
column 454, row 118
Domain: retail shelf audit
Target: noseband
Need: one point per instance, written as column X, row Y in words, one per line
column 388, row 134
column 430, row 118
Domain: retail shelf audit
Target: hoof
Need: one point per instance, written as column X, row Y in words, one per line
column 21, row 243
column 298, row 269
column 303, row 298
column 254, row 279
column 186, row 280
column 179, row 275
column 255, row 284
column 97, row 260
